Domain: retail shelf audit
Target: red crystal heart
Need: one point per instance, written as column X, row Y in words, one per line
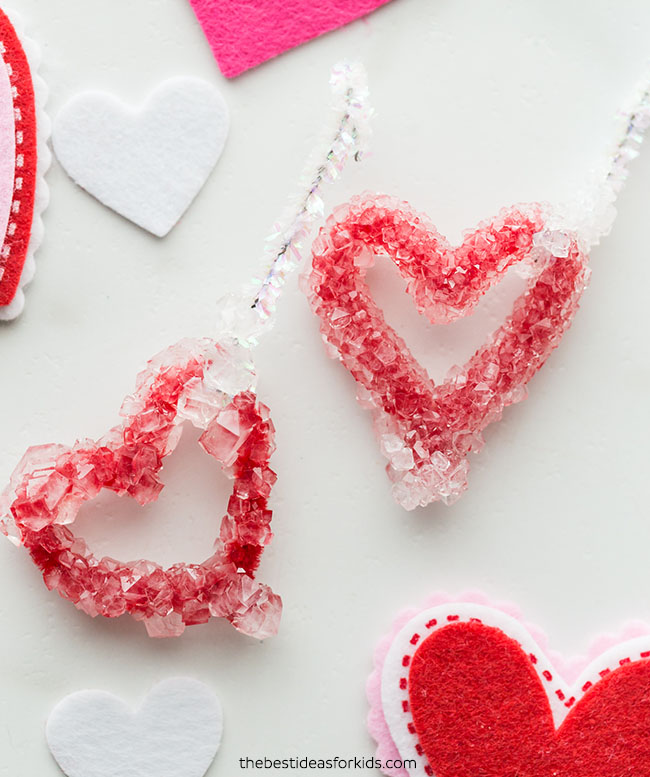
column 52, row 482
column 479, row 708
column 426, row 430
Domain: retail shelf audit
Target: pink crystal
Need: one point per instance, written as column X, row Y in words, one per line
column 52, row 482
column 425, row 430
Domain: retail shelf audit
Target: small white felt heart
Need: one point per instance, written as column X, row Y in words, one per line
column 148, row 164
column 175, row 733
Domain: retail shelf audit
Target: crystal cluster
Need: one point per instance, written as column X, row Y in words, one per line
column 427, row 430
column 198, row 381
column 212, row 386
column 591, row 211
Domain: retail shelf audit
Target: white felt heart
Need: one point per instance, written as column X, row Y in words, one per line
column 175, row 733
column 148, row 164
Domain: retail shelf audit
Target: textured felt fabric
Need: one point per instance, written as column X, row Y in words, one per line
column 146, row 164
column 245, row 33
column 479, row 708
column 175, row 733
column 16, row 241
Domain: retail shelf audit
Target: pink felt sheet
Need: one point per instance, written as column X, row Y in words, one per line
column 245, row 33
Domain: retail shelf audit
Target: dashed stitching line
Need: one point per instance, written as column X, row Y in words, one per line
column 546, row 675
column 5, row 252
column 15, row 242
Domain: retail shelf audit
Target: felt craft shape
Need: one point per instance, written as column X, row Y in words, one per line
column 245, row 33
column 148, row 164
column 176, row 732
column 462, row 688
column 24, row 159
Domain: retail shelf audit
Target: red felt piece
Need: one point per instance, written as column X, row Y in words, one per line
column 480, row 710
column 16, row 242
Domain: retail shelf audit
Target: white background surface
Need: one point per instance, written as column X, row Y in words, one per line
column 479, row 105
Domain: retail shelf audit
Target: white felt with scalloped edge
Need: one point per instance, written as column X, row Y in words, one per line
column 558, row 689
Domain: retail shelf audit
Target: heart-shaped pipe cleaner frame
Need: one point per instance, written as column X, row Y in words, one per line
column 426, row 431
column 211, row 384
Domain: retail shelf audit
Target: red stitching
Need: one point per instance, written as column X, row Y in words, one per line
column 5, row 251
column 26, row 144
column 568, row 703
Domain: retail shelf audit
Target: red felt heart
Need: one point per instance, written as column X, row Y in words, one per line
column 426, row 430
column 185, row 383
column 479, row 708
column 15, row 244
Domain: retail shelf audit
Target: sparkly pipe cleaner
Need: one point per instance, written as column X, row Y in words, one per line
column 210, row 384
column 636, row 122
column 247, row 316
column 592, row 213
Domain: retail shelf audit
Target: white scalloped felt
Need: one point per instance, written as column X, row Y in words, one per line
column 564, row 680
column 44, row 157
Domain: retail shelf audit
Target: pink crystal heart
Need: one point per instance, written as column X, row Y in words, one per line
column 426, row 431
column 193, row 382
column 242, row 35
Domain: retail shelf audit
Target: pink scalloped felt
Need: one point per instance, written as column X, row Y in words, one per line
column 569, row 669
